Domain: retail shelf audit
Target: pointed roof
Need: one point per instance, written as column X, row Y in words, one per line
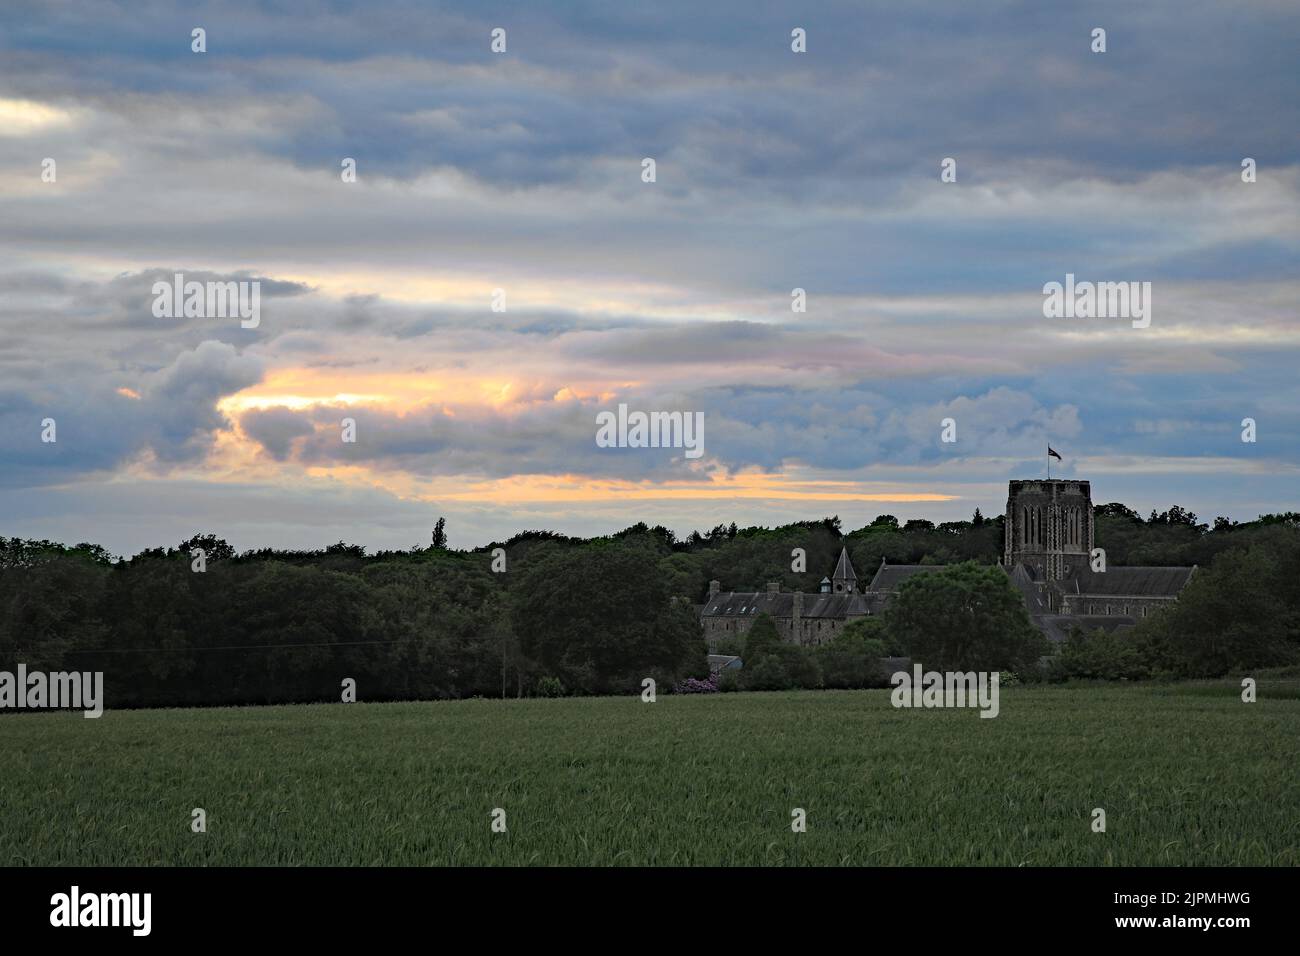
column 844, row 568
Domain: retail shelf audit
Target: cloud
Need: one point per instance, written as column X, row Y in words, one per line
column 100, row 426
column 522, row 172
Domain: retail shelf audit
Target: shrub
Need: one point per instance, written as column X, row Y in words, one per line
column 800, row 665
column 550, row 687
column 693, row 686
column 851, row 661
column 1099, row 656
column 729, row 681
column 768, row 674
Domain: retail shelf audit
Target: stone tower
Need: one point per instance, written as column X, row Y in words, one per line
column 1048, row 526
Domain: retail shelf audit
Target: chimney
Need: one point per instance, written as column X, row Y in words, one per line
column 773, row 587
column 714, row 588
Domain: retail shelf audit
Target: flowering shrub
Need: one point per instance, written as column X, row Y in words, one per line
column 693, row 686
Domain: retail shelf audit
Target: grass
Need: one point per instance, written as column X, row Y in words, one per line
column 1187, row 774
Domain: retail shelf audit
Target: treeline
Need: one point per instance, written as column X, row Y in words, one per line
column 551, row 614
column 271, row 627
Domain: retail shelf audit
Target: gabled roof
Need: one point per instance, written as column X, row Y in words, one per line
column 890, row 576
column 844, row 568
column 1136, row 582
column 1024, row 581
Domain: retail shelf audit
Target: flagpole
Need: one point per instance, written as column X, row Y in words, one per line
column 1049, row 461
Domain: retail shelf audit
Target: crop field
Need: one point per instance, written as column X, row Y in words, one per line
column 1187, row 774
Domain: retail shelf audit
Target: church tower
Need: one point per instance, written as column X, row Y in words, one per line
column 1048, row 527
column 844, row 580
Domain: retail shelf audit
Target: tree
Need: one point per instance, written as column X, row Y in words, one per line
column 870, row 629
column 440, row 534
column 1099, row 656
column 1176, row 515
column 762, row 638
column 852, row 658
column 1241, row 612
column 600, row 617
column 767, row 674
column 964, row 617
column 884, row 523
column 213, row 548
column 1114, row 509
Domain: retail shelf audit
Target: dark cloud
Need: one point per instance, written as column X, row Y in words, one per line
column 98, row 427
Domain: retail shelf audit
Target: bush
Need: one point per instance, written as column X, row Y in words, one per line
column 800, row 665
column 851, row 661
column 1099, row 656
column 768, row 674
column 693, row 686
column 782, row 667
column 550, row 687
column 761, row 639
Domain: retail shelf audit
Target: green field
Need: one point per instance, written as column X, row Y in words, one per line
column 1187, row 774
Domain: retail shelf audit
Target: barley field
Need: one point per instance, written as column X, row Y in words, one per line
column 1187, row 775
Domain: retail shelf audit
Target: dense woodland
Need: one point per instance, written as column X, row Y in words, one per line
column 598, row 616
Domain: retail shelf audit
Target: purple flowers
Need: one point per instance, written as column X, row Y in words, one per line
column 693, row 686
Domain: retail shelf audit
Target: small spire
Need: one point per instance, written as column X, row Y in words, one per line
column 844, row 578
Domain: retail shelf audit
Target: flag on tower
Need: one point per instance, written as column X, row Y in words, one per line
column 1052, row 452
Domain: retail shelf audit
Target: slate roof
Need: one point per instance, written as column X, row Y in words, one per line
column 1025, row 582
column 721, row 662
column 1135, row 582
column 753, row 603
column 1057, row 627
column 890, row 576
column 844, row 568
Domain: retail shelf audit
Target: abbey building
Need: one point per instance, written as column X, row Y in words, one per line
column 1047, row 552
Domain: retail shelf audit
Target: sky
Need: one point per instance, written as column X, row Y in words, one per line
column 520, row 175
